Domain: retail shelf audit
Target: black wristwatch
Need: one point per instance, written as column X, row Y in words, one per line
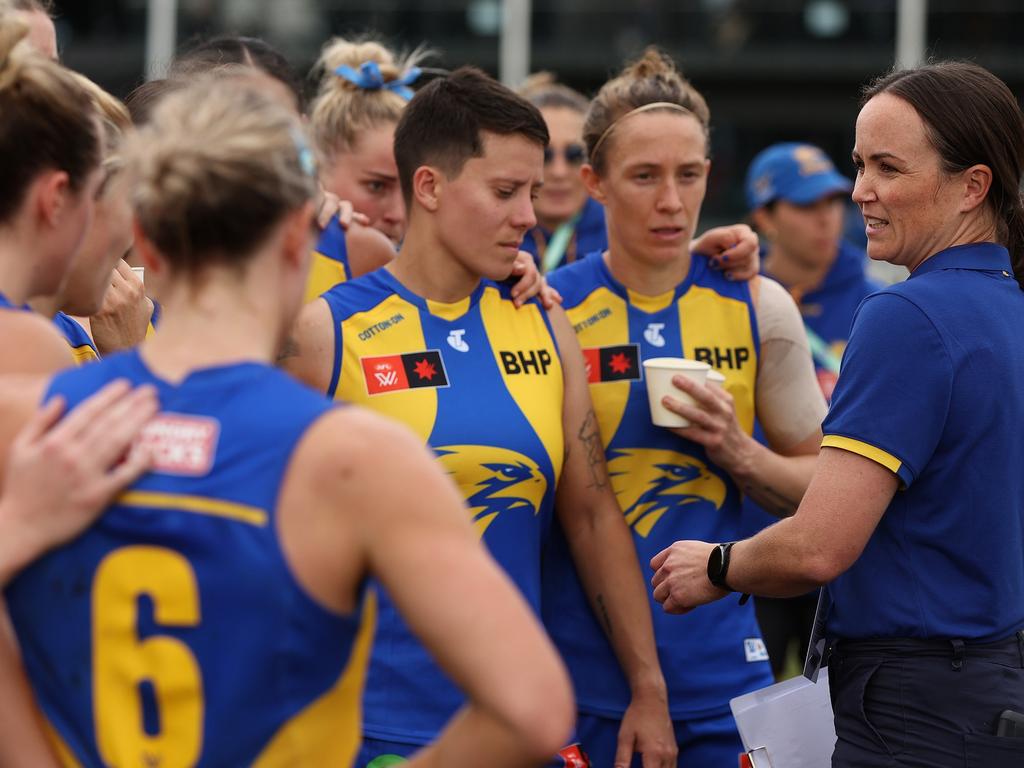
column 718, row 565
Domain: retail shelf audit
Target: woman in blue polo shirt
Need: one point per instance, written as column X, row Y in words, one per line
column 916, row 510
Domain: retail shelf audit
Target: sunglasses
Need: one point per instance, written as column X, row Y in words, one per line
column 574, row 154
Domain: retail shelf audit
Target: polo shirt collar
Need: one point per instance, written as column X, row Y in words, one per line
column 981, row 256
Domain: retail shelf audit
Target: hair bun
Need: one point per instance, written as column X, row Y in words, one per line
column 13, row 32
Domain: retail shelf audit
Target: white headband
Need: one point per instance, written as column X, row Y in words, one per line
column 637, row 111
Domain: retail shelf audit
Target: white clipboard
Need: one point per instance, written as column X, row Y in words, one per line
column 787, row 725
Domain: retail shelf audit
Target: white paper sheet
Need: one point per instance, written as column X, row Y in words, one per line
column 791, row 721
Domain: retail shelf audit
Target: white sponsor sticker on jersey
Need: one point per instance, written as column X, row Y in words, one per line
column 180, row 444
column 755, row 649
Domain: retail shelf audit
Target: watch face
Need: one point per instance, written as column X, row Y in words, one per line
column 715, row 562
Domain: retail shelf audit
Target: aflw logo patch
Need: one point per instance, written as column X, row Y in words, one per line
column 621, row 363
column 180, row 445
column 391, row 373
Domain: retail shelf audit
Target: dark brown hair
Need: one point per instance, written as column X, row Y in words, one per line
column 49, row 121
column 971, row 117
column 444, row 121
column 650, row 79
column 205, row 55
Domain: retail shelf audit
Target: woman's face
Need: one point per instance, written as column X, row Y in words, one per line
column 68, row 229
column 365, row 174
column 563, row 193
column 653, row 184
column 107, row 241
column 806, row 234
column 494, row 193
column 911, row 209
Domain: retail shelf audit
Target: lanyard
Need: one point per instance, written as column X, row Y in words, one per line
column 821, row 351
column 558, row 243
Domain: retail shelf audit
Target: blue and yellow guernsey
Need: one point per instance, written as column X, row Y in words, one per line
column 172, row 632
column 329, row 264
column 666, row 486
column 481, row 382
column 82, row 347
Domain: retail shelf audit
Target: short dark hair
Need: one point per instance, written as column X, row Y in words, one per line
column 204, row 55
column 971, row 117
column 444, row 121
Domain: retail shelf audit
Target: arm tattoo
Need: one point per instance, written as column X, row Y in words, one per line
column 605, row 618
column 590, row 436
column 289, row 349
column 773, row 502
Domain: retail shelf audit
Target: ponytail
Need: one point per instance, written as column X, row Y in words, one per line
column 1013, row 220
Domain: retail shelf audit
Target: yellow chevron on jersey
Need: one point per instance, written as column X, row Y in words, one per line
column 651, row 483
column 602, row 320
column 539, row 397
column 717, row 330
column 324, row 274
column 390, row 327
column 83, row 349
column 84, row 354
column 327, row 732
column 328, row 264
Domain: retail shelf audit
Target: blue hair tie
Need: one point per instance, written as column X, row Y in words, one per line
column 307, row 160
column 369, row 78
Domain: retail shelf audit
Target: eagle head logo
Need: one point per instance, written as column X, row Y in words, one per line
column 493, row 481
column 650, row 483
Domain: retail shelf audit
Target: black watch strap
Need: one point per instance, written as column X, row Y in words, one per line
column 718, row 565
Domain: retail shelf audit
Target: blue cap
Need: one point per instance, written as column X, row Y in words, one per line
column 797, row 173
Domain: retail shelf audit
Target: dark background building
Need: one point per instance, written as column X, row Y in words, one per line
column 772, row 70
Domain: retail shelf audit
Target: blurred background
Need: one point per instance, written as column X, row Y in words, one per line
column 771, row 70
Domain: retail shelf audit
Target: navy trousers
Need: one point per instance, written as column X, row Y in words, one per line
column 925, row 703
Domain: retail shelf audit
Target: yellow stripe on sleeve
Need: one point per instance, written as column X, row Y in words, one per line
column 866, row 450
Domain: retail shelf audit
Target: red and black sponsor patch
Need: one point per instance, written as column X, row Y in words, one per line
column 621, row 363
column 390, row 373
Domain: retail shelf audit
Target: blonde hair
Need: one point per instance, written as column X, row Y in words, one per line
column 40, row 6
column 343, row 110
column 116, row 123
column 215, row 170
column 651, row 79
column 543, row 90
column 49, row 122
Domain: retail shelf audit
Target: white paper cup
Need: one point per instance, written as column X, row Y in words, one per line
column 141, row 272
column 715, row 379
column 658, row 371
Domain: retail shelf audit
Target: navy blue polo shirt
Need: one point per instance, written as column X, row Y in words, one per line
column 932, row 388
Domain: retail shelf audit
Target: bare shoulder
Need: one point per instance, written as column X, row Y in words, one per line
column 350, row 452
column 308, row 353
column 368, row 249
column 31, row 344
column 777, row 313
column 20, row 397
column 354, row 445
column 356, row 484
